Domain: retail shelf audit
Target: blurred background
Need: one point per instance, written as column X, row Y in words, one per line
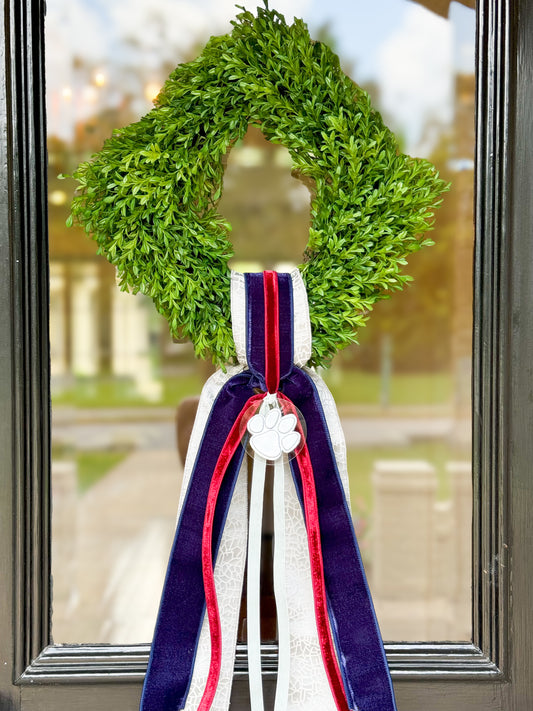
column 403, row 392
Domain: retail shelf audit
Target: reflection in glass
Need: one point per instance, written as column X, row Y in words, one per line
column 120, row 383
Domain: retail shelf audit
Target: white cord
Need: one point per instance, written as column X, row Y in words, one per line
column 253, row 585
column 280, row 586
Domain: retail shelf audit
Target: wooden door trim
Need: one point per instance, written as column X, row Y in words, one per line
column 503, row 320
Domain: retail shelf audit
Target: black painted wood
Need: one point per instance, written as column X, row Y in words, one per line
column 8, row 694
column 107, row 663
column 492, row 673
column 518, row 366
column 496, row 27
column 25, row 434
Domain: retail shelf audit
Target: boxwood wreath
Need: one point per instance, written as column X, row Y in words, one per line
column 149, row 197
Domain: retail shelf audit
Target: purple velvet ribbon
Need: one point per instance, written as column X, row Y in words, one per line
column 356, row 633
column 255, row 326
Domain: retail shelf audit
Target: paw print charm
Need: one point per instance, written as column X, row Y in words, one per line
column 273, row 434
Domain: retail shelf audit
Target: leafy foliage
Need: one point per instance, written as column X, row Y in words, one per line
column 149, row 197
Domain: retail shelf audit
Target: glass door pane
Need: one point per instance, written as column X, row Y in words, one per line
column 120, row 384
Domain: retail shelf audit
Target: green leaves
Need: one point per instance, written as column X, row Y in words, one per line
column 148, row 198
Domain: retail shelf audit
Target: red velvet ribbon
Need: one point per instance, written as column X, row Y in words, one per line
column 270, row 286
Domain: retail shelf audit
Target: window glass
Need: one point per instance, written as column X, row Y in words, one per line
column 123, row 391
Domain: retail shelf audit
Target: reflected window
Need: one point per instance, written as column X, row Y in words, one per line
column 120, row 383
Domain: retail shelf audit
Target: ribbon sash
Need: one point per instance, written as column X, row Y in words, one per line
column 357, row 670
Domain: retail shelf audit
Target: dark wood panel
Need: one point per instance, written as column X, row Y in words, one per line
column 74, row 664
column 519, row 356
column 416, row 696
column 496, row 28
column 112, row 697
column 24, row 430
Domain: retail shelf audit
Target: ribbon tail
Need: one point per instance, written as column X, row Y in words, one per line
column 310, row 506
column 227, row 452
column 358, row 640
column 173, row 653
column 229, row 576
column 309, row 686
column 230, row 561
column 280, row 587
column 253, row 592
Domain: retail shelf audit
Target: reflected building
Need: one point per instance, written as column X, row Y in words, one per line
column 462, row 165
column 95, row 328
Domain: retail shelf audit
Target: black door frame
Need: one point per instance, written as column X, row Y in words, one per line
column 491, row 673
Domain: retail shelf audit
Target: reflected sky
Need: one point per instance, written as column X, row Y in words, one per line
column 406, row 52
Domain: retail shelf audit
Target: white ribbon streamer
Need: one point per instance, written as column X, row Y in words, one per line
column 280, row 586
column 253, row 589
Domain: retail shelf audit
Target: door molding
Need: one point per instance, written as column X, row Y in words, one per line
column 459, row 676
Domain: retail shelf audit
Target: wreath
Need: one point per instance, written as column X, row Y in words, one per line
column 149, row 197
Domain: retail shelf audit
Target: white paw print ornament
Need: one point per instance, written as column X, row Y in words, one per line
column 273, row 434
